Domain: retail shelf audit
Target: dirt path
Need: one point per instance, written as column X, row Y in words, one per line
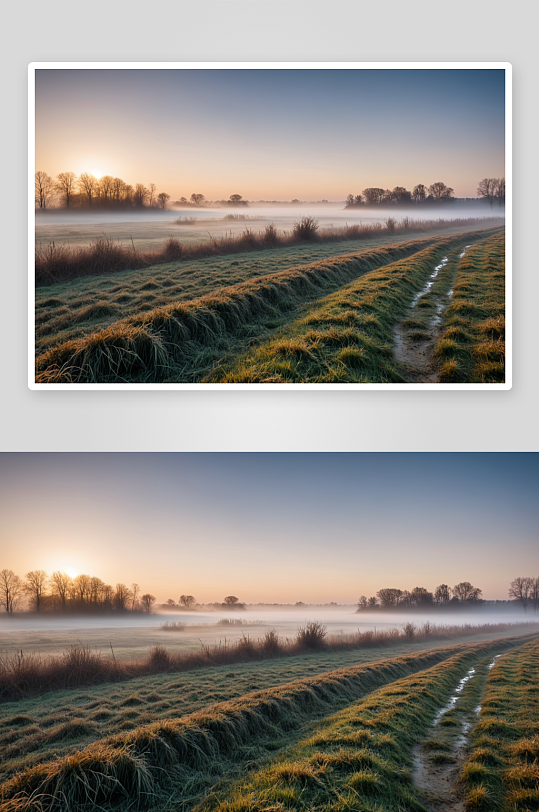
column 416, row 336
column 439, row 759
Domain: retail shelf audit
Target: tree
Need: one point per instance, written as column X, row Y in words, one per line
column 235, row 198
column 60, row 586
column 466, row 593
column 88, row 185
column 151, row 193
column 419, row 193
column 520, row 590
column 487, row 189
column 171, row 604
column 358, row 200
column 440, row 191
column 187, row 600
column 80, row 589
column 350, row 200
column 389, row 597
column 373, row 195
column 140, row 195
column 163, row 199
column 122, row 597
column 11, row 590
column 135, row 589
column 362, row 602
column 147, row 602
column 372, row 602
column 106, row 187
column 65, row 185
column 45, row 187
column 421, row 596
column 400, row 195
column 500, row 192
column 442, row 594
column 34, row 586
column 197, row 199
column 534, row 594
column 231, row 600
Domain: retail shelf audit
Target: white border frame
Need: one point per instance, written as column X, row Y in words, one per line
column 506, row 66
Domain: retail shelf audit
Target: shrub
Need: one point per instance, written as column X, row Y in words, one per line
column 311, row 636
column 306, row 228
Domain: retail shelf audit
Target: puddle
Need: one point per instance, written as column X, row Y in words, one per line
column 452, row 702
column 430, row 283
column 450, row 291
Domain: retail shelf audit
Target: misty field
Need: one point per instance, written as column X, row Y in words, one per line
column 248, row 308
column 319, row 730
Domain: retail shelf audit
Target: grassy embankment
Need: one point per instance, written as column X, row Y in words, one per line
column 502, row 771
column 68, row 310
column 347, row 336
column 471, row 348
column 184, row 341
column 183, row 758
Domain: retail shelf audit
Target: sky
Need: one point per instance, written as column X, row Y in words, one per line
column 273, row 134
column 273, row 527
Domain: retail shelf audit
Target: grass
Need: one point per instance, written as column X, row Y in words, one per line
column 185, row 757
column 359, row 758
column 347, row 336
column 502, row 770
column 186, row 335
column 26, row 675
column 59, row 262
column 471, row 348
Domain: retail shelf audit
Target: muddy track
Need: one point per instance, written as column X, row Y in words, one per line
column 416, row 336
column 438, row 760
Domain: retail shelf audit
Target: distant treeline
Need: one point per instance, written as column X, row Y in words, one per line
column 86, row 594
column 86, row 191
column 489, row 189
column 523, row 590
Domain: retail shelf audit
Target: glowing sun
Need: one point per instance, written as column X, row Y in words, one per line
column 70, row 571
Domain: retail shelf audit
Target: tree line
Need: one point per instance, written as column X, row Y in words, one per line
column 491, row 189
column 87, row 191
column 443, row 595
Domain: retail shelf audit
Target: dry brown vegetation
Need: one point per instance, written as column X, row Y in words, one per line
column 55, row 263
column 23, row 675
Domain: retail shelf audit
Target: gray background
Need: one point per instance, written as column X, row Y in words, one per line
column 267, row 30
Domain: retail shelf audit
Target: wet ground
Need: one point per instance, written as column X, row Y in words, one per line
column 438, row 760
column 416, row 336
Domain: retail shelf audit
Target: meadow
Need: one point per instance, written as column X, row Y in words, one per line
column 318, row 730
column 234, row 314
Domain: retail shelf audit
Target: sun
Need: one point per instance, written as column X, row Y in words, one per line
column 97, row 173
column 70, row 571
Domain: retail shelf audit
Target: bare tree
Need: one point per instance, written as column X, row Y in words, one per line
column 534, row 595
column 442, row 594
column 34, row 586
column 80, row 589
column 362, row 602
column 389, row 597
column 440, row 191
column 11, row 590
column 373, row 195
column 140, row 195
column 60, row 586
column 466, row 593
column 122, row 596
column 350, row 200
column 235, row 198
column 231, row 600
column 147, row 602
column 88, row 185
column 372, row 602
column 197, row 199
column 163, row 199
column 520, row 590
column 106, row 189
column 487, row 189
column 419, row 193
column 65, row 185
column 45, row 188
column 151, row 193
column 135, row 589
column 500, row 192
column 358, row 200
column 187, row 600
column 421, row 596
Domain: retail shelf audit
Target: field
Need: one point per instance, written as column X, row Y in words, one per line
column 259, row 314
column 318, row 730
